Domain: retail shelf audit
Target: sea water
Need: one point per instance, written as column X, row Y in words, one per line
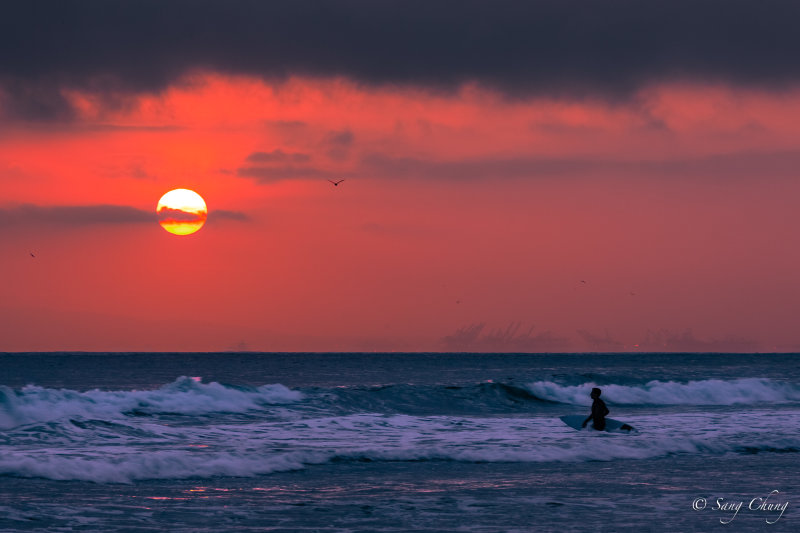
column 397, row 442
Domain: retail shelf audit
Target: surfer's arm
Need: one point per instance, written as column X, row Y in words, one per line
column 586, row 421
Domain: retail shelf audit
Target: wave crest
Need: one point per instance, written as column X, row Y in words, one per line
column 704, row 392
column 185, row 396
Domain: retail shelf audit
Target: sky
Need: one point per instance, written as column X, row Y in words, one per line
column 518, row 175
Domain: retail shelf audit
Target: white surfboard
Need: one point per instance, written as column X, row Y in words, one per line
column 612, row 426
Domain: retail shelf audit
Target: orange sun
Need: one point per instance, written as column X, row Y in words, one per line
column 181, row 211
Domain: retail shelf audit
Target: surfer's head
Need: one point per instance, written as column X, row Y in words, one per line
column 596, row 393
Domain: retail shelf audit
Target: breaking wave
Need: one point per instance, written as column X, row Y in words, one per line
column 185, row 396
column 704, row 392
column 190, row 429
column 190, row 397
column 107, row 465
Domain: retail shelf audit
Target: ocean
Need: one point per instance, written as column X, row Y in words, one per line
column 389, row 442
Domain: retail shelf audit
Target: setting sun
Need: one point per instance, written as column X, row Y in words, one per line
column 181, row 211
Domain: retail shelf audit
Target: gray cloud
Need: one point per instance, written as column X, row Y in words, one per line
column 340, row 138
column 222, row 214
column 77, row 215
column 287, row 127
column 339, row 144
column 509, row 340
column 134, row 170
column 119, row 127
column 278, row 156
column 84, row 215
column 407, row 167
column 668, row 341
column 729, row 166
column 272, row 174
column 178, row 215
column 32, row 100
column 735, row 165
column 523, row 47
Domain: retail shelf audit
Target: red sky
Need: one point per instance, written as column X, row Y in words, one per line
column 664, row 218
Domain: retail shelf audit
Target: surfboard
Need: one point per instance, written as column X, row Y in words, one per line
column 612, row 426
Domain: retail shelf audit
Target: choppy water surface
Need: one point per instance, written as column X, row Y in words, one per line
column 395, row 442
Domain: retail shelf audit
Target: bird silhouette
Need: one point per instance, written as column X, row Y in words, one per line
column 31, row 254
column 336, row 183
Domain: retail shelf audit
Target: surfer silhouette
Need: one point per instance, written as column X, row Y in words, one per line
column 599, row 411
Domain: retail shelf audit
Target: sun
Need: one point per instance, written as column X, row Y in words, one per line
column 181, row 211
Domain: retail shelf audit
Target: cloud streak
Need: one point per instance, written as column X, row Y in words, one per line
column 569, row 47
column 278, row 156
column 77, row 215
column 273, row 174
column 223, row 214
column 167, row 214
column 87, row 215
column 735, row 165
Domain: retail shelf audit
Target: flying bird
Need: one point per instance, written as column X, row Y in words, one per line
column 31, row 254
column 336, row 183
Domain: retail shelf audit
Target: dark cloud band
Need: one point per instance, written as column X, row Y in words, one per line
column 278, row 156
column 564, row 47
column 74, row 215
column 82, row 215
column 271, row 174
column 782, row 164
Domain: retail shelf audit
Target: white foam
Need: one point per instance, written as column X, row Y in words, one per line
column 705, row 392
column 184, row 396
column 162, row 464
column 264, row 446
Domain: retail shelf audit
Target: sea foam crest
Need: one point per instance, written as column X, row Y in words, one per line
column 184, row 396
column 126, row 466
column 704, row 392
column 160, row 465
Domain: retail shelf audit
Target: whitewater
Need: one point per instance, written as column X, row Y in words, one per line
column 417, row 441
